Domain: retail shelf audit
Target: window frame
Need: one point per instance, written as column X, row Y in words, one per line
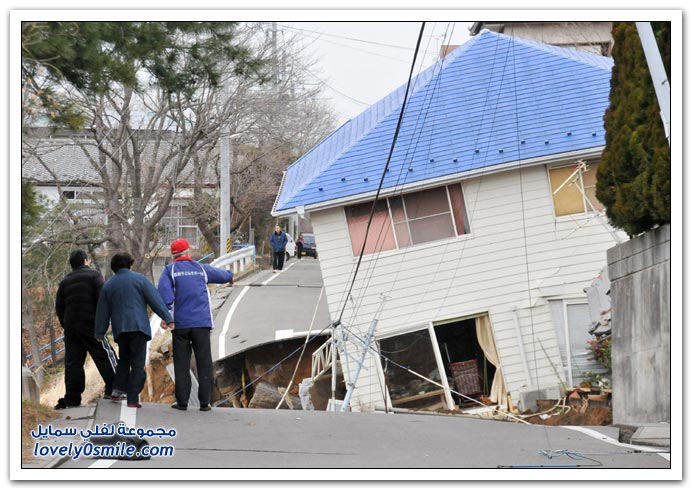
column 587, row 212
column 397, row 247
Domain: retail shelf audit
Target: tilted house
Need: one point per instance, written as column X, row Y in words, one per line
column 483, row 253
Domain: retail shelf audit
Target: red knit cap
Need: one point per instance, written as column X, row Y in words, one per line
column 179, row 246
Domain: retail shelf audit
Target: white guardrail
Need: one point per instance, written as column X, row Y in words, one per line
column 237, row 261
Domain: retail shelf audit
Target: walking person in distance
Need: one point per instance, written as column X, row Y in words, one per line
column 278, row 241
column 300, row 243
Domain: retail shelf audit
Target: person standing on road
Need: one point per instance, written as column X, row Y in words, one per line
column 123, row 304
column 75, row 306
column 278, row 241
column 183, row 287
column 300, row 243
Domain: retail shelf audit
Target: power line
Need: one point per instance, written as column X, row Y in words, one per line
column 386, row 167
column 365, row 41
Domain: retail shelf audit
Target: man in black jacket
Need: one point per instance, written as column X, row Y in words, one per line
column 75, row 305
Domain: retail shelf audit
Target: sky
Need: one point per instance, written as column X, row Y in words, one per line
column 361, row 62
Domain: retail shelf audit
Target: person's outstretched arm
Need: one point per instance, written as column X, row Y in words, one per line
column 218, row 276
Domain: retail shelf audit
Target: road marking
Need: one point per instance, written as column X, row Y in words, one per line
column 231, row 311
column 274, row 276
column 610, row 440
column 227, row 323
column 289, row 333
column 129, row 417
column 103, row 463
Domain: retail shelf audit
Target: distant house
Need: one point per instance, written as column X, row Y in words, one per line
column 591, row 37
column 64, row 164
column 486, row 232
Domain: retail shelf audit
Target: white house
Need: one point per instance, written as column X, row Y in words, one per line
column 486, row 231
column 65, row 164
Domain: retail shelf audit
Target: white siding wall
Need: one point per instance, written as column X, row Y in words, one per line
column 511, row 252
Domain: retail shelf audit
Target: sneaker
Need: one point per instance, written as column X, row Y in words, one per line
column 205, row 408
column 117, row 395
column 179, row 407
column 62, row 405
column 134, row 405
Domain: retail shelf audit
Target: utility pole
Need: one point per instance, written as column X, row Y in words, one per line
column 225, row 194
column 657, row 72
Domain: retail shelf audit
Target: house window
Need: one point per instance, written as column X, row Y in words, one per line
column 380, row 235
column 415, row 351
column 572, row 320
column 179, row 225
column 577, row 191
column 70, row 194
column 411, row 219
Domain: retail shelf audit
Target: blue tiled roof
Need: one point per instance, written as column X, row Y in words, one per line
column 496, row 99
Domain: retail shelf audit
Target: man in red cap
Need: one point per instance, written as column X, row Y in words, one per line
column 183, row 287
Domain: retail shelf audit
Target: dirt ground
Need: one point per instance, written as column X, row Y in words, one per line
column 54, row 387
column 576, row 411
column 32, row 415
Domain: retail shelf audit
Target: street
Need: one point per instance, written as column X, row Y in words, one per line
column 243, row 438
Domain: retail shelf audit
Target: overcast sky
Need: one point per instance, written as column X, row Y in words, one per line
column 361, row 62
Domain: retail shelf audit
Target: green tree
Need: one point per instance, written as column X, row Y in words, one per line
column 634, row 173
column 31, row 207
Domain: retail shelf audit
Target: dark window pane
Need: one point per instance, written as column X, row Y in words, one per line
column 433, row 228
column 402, row 235
column 398, row 214
column 426, row 203
column 413, row 350
column 457, row 199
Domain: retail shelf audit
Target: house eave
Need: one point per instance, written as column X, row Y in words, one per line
column 443, row 180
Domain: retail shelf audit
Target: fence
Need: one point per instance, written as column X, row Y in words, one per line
column 49, row 356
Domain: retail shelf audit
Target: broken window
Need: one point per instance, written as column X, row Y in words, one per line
column 414, row 351
column 577, row 190
column 418, row 217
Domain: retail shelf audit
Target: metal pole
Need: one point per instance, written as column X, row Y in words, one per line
column 366, row 348
column 657, row 72
column 333, row 341
column 225, row 191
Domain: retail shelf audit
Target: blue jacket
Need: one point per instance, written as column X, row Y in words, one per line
column 183, row 287
column 123, row 303
column 278, row 242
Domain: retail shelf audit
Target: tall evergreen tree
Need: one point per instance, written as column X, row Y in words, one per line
column 634, row 173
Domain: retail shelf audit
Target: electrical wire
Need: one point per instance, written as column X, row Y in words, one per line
column 365, row 41
column 384, row 172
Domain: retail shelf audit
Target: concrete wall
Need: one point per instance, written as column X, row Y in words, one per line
column 639, row 271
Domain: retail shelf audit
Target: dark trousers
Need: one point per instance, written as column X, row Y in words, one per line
column 185, row 341
column 130, row 375
column 300, row 250
column 278, row 262
column 77, row 344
